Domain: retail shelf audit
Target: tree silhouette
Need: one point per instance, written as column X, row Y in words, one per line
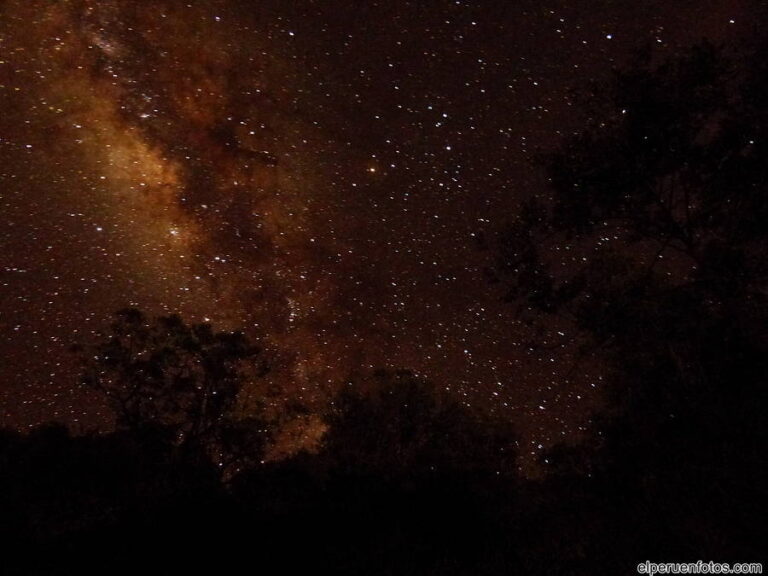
column 396, row 423
column 673, row 169
column 662, row 203
column 179, row 380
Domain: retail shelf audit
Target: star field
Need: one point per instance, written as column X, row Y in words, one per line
column 330, row 177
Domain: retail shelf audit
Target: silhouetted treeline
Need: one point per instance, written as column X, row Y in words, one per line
column 407, row 481
column 662, row 203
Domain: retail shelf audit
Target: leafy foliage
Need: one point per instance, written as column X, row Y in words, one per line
column 178, row 379
column 397, row 424
column 663, row 202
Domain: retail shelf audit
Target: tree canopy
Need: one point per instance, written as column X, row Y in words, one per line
column 181, row 380
column 396, row 423
column 660, row 208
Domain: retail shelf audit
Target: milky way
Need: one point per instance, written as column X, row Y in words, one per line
column 328, row 176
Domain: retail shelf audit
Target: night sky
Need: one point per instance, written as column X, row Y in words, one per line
column 329, row 176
